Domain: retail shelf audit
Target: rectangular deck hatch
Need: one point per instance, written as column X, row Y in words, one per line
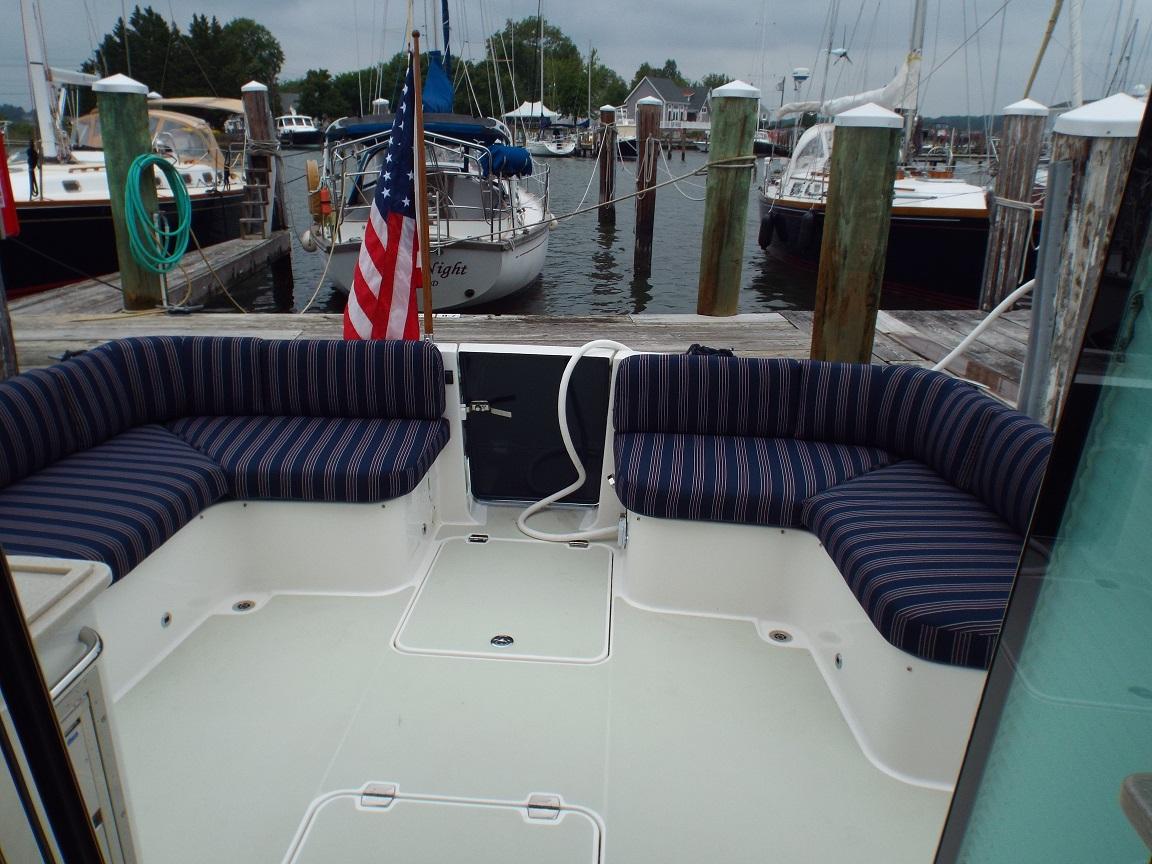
column 513, row 599
column 435, row 829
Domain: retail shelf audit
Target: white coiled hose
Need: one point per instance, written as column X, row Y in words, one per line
column 581, row 474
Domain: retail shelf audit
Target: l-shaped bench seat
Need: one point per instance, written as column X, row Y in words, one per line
column 919, row 486
column 106, row 455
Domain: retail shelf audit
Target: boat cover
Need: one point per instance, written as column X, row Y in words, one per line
column 505, row 161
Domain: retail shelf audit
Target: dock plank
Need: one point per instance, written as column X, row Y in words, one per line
column 920, row 338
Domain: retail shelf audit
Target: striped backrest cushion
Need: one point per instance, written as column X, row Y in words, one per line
column 124, row 383
column 839, row 402
column 1009, row 464
column 35, row 426
column 933, row 418
column 706, row 395
column 391, row 379
column 222, row 375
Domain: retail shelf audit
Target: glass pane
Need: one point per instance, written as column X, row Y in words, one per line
column 1076, row 716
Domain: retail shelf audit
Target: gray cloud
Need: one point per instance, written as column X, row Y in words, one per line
column 756, row 41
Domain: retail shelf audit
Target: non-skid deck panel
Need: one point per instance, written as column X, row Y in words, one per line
column 695, row 741
column 552, row 600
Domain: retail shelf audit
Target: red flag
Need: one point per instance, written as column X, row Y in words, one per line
column 9, row 227
column 382, row 303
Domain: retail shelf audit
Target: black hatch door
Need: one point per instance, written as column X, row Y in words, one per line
column 511, row 432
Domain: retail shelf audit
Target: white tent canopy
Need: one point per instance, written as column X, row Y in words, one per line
column 530, row 110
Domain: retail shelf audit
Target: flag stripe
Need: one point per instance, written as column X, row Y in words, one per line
column 382, row 303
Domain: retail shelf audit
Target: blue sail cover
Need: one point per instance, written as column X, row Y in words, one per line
column 438, row 96
column 505, row 161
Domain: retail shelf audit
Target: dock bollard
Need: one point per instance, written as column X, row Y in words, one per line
column 855, row 240
column 732, row 166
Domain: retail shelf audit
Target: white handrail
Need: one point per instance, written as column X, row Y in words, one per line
column 1005, row 304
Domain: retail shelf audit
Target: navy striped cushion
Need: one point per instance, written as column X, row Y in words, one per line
column 701, row 395
column 222, row 375
column 125, row 383
column 392, row 379
column 35, row 426
column 931, row 417
column 931, row 565
column 317, row 458
column 115, row 503
column 1009, row 464
column 839, row 401
column 724, row 478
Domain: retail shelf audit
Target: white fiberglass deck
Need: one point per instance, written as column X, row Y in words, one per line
column 694, row 740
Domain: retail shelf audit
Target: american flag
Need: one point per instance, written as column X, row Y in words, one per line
column 382, row 303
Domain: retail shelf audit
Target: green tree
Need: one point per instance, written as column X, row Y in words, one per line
column 212, row 57
column 713, row 80
column 516, row 65
column 669, row 70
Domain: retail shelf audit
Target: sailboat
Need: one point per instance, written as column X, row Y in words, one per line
column 487, row 207
column 73, row 195
column 552, row 140
column 935, row 217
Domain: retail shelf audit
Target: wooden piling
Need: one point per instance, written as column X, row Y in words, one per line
column 1098, row 141
column 123, row 106
column 1011, row 219
column 648, row 147
column 265, row 177
column 607, row 165
column 855, row 239
column 732, row 166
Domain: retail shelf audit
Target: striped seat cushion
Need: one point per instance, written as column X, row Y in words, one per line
column 931, row 564
column 317, row 458
column 116, row 502
column 725, row 478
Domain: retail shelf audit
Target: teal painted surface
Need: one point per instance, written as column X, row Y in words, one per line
column 1078, row 718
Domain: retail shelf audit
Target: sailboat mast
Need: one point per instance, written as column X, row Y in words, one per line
column 1075, row 13
column 40, row 82
column 833, row 14
column 540, row 51
column 915, row 51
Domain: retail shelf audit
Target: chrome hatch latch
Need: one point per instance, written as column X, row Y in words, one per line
column 482, row 406
column 378, row 795
column 544, row 806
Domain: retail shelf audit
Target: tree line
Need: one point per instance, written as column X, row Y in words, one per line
column 210, row 58
column 509, row 74
column 217, row 58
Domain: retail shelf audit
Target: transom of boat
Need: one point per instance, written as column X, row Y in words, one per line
column 296, row 680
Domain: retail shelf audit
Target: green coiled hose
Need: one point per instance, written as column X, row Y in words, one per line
column 156, row 247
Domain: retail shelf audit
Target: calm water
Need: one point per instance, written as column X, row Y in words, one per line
column 589, row 269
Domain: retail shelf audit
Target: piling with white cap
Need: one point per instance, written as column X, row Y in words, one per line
column 123, row 106
column 855, row 237
column 1098, row 141
column 1011, row 218
column 264, row 174
column 732, row 165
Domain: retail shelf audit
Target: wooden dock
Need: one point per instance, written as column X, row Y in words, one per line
column 197, row 279
column 47, row 331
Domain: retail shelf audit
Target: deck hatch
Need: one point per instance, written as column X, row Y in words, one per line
column 512, row 600
column 432, row 829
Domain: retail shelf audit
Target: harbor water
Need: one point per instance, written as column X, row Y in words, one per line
column 589, row 268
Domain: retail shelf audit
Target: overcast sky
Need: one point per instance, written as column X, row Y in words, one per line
column 755, row 40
